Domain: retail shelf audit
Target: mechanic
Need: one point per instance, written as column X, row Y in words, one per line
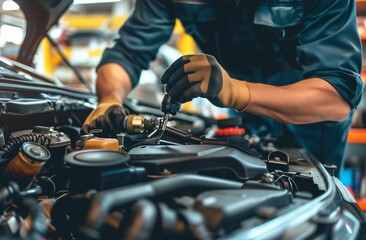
column 293, row 61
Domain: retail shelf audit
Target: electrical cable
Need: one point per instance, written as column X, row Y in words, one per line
column 38, row 228
column 9, row 150
column 297, row 189
column 290, row 183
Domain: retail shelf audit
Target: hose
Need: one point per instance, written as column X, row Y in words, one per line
column 38, row 228
column 103, row 202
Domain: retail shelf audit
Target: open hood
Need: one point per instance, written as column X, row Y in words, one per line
column 19, row 76
column 43, row 14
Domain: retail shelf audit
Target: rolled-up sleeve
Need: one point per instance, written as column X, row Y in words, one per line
column 329, row 47
column 148, row 27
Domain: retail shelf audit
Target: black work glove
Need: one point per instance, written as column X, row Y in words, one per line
column 200, row 75
column 108, row 116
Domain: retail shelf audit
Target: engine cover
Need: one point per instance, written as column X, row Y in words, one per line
column 175, row 159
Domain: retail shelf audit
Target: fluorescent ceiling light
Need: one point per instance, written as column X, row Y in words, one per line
column 9, row 5
column 93, row 1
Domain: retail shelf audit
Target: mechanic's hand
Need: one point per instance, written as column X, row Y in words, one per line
column 200, row 75
column 106, row 116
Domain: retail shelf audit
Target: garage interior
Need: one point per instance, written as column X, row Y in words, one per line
column 82, row 34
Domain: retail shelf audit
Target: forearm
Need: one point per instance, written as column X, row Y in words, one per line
column 308, row 101
column 112, row 82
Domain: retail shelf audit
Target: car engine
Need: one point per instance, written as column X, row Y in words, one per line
column 194, row 178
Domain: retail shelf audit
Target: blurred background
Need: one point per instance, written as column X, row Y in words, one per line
column 85, row 30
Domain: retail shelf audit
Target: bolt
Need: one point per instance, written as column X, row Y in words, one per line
column 166, row 172
column 121, row 138
column 267, row 178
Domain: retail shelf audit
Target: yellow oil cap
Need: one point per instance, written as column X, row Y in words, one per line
column 102, row 143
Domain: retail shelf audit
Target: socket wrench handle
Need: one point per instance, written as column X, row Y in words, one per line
column 169, row 106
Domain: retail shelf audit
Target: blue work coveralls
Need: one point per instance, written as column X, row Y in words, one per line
column 277, row 42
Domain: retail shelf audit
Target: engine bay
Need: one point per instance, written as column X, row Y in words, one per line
column 190, row 182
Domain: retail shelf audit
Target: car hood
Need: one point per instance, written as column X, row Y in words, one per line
column 43, row 14
column 19, row 75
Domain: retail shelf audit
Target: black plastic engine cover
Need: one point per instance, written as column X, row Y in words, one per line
column 176, row 159
column 223, row 210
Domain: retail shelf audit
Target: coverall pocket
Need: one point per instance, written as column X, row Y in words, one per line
column 280, row 13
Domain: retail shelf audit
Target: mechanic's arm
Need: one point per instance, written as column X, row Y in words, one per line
column 112, row 85
column 148, row 27
column 307, row 101
column 113, row 82
column 310, row 100
column 329, row 53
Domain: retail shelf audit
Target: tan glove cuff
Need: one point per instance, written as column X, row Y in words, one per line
column 240, row 95
column 102, row 107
